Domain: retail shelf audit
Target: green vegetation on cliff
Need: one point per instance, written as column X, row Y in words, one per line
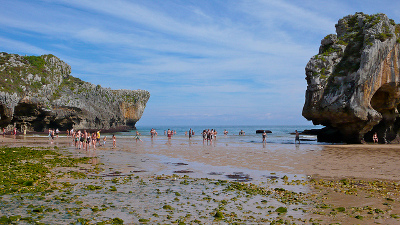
column 355, row 33
column 25, row 74
column 38, row 92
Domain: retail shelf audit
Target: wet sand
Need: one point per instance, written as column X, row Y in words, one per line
column 368, row 161
column 254, row 162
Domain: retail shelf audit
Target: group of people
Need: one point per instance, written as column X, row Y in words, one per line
column 191, row 133
column 53, row 133
column 14, row 132
column 170, row 133
column 153, row 133
column 84, row 139
column 209, row 135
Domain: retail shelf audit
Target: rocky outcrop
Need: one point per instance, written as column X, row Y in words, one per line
column 353, row 82
column 38, row 92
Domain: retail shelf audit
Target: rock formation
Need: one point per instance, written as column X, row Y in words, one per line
column 38, row 92
column 354, row 82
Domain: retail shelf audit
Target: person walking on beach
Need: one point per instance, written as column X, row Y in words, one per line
column 137, row 137
column 190, row 133
column 98, row 137
column 81, row 140
column 94, row 140
column 264, row 137
column 297, row 138
column 114, row 141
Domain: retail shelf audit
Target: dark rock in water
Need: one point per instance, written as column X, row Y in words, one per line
column 310, row 132
column 38, row 93
column 215, row 173
column 239, row 177
column 183, row 171
column 180, row 164
column 271, row 177
column 262, row 131
column 307, row 139
column 354, row 80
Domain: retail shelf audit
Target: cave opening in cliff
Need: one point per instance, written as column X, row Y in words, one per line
column 4, row 120
column 386, row 101
column 30, row 114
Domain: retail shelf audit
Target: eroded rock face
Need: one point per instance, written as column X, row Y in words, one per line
column 39, row 93
column 353, row 83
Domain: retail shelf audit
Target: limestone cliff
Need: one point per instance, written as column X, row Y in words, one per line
column 38, row 92
column 353, row 82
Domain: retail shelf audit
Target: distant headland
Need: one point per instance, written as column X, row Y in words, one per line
column 354, row 81
column 38, row 93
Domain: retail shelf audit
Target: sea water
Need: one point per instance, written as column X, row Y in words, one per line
column 280, row 134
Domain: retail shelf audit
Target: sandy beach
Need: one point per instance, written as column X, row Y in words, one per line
column 166, row 165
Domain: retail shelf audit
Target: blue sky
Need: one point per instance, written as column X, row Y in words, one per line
column 205, row 62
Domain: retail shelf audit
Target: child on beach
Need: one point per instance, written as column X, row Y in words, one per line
column 104, row 140
column 114, row 141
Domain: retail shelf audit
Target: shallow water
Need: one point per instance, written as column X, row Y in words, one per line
column 279, row 135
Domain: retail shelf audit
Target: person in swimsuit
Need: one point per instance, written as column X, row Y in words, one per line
column 297, row 137
column 87, row 140
column 264, row 137
column 81, row 140
column 375, row 137
column 114, row 141
column 209, row 136
column 94, row 139
column 190, row 133
column 169, row 134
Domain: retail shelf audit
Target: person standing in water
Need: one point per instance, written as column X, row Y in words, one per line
column 169, row 134
column 264, row 137
column 297, row 138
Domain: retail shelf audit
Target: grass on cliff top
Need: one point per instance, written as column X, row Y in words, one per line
column 27, row 170
column 12, row 77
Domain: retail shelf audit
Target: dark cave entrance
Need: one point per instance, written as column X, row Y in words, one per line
column 386, row 101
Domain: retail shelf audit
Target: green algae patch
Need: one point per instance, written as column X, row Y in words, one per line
column 219, row 215
column 281, row 210
column 28, row 170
